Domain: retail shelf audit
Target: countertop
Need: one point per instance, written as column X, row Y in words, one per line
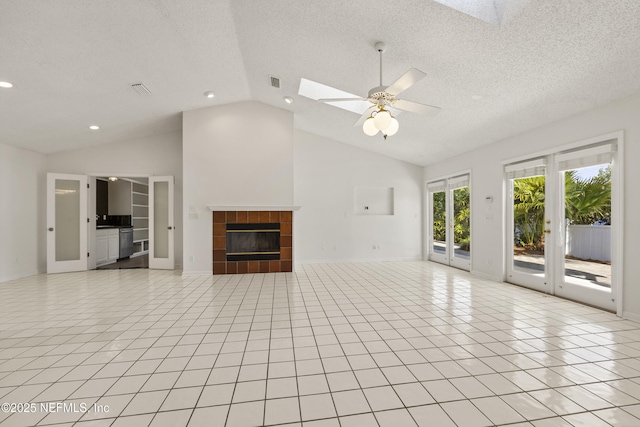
column 103, row 227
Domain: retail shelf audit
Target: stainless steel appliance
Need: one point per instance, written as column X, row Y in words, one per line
column 126, row 242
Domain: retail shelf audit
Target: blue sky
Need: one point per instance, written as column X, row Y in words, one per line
column 590, row 172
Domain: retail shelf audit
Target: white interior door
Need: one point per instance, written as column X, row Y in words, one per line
column 161, row 223
column 67, row 223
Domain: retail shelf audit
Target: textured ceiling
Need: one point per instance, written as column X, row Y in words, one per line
column 72, row 62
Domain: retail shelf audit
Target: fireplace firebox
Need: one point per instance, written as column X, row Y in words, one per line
column 253, row 242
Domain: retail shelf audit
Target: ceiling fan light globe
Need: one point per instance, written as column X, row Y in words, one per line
column 382, row 120
column 369, row 127
column 393, row 127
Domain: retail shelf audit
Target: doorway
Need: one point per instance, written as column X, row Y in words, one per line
column 449, row 202
column 75, row 239
column 122, row 222
column 563, row 216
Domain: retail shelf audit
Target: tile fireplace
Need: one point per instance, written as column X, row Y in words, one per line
column 252, row 242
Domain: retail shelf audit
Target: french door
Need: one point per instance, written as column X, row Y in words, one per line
column 67, row 223
column 528, row 216
column 562, row 224
column 449, row 203
column 588, row 217
column 161, row 223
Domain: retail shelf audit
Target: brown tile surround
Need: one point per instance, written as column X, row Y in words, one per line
column 220, row 221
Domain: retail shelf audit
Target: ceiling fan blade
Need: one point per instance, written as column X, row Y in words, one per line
column 341, row 99
column 365, row 116
column 407, row 80
column 415, row 107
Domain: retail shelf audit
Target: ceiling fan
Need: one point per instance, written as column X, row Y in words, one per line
column 378, row 118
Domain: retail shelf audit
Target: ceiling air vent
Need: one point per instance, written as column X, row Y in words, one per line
column 275, row 82
column 141, row 89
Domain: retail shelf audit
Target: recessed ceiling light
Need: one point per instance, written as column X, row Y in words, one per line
column 6, row 85
column 476, row 97
column 288, row 100
column 113, row 178
column 209, row 94
column 94, row 127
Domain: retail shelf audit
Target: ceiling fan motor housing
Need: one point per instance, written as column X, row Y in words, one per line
column 379, row 93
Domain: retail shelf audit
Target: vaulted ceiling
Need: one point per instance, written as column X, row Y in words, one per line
column 72, row 63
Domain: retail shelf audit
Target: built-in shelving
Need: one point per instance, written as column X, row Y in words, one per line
column 140, row 217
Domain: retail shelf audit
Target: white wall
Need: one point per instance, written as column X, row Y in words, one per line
column 22, row 213
column 235, row 154
column 156, row 155
column 327, row 228
column 485, row 163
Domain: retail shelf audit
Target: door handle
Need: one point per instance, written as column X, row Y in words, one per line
column 50, row 228
column 547, row 231
column 169, row 228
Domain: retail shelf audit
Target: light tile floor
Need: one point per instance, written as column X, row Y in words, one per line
column 353, row 344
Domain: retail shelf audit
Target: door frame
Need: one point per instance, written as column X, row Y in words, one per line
column 92, row 228
column 428, row 238
column 617, row 207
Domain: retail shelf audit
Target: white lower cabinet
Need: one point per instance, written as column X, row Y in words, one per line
column 107, row 246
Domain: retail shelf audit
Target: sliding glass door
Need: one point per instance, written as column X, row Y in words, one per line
column 450, row 221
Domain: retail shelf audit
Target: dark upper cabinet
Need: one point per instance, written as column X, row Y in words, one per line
column 102, row 199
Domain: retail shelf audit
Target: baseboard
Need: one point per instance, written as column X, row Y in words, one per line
column 635, row 317
column 483, row 275
column 197, row 273
column 336, row 261
column 18, row 276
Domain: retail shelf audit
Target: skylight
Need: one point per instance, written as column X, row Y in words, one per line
column 494, row 12
column 314, row 90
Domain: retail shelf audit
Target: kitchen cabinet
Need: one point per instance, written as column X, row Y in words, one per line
column 107, row 245
column 120, row 197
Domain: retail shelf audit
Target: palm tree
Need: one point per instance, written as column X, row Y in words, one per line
column 439, row 217
column 462, row 217
column 528, row 211
column 588, row 201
